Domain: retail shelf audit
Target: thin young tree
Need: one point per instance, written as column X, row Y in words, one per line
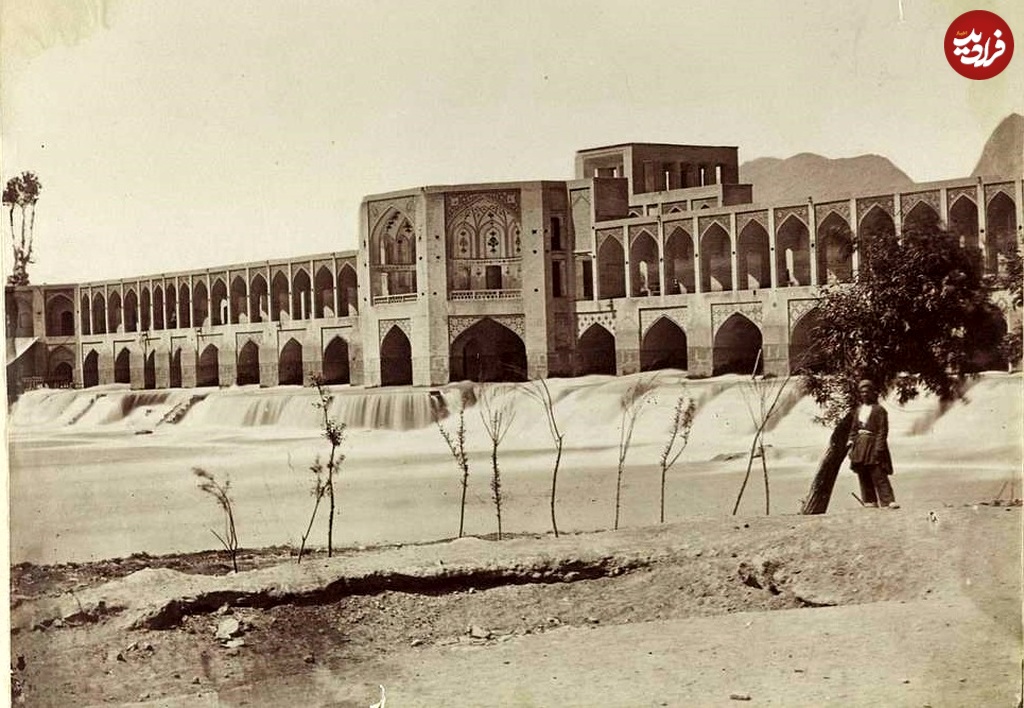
column 761, row 395
column 633, row 403
column 334, row 433
column 456, row 441
column 208, row 483
column 21, row 193
column 907, row 322
column 538, row 391
column 682, row 422
column 497, row 412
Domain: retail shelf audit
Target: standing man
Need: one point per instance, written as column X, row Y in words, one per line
column 869, row 448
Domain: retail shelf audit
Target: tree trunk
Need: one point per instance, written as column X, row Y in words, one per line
column 828, row 469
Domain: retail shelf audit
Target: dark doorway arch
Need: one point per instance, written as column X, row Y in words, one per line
column 174, row 374
column 347, row 291
column 249, row 365
column 804, row 355
column 123, row 367
column 736, row 347
column 611, row 273
column 131, row 311
column 149, row 371
column 643, row 266
column 395, row 359
column 219, row 314
column 86, row 319
column 876, row 223
column 1001, row 234
column 835, row 250
column 753, row 258
column 921, row 217
column 99, row 314
column 336, row 369
column 258, row 299
column 663, row 347
column 487, row 351
column 62, row 375
column 715, row 260
column 595, row 352
column 963, row 222
column 793, row 253
column 208, row 371
column 60, row 317
column 289, row 364
column 91, row 370
column 323, row 293
column 200, row 305
column 679, row 273
column 301, row 291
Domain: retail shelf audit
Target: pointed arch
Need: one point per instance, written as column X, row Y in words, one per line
column 753, row 257
column 174, row 372
column 323, row 293
column 963, row 221
column 736, row 347
column 60, row 367
column 218, row 302
column 208, row 370
column 679, row 270
column 920, row 217
column 395, row 358
column 85, row 315
column 874, row 224
column 123, row 366
column 664, row 346
column 145, row 305
column 393, row 243
column 258, row 298
column 611, row 274
column 239, row 300
column 131, row 311
column 158, row 308
column 289, row 364
column 1000, row 234
column 835, row 250
column 99, row 314
column 347, row 291
column 715, row 259
column 200, row 305
column 301, row 292
column 91, row 369
column 280, row 297
column 248, row 370
column 595, row 352
column 487, row 351
column 60, row 316
column 115, row 313
column 645, row 278
column 336, row 367
column 793, row 253
column 149, row 370
column 804, row 355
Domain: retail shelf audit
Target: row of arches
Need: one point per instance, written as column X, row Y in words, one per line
column 252, row 301
column 755, row 263
column 208, row 365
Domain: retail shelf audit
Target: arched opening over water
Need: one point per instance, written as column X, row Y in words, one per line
column 208, row 370
column 123, row 366
column 487, row 351
column 289, row 364
column 736, row 347
column 664, row 347
column 395, row 359
column 249, row 365
column 336, row 367
column 595, row 352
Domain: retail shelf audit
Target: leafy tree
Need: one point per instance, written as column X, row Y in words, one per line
column 22, row 193
column 906, row 322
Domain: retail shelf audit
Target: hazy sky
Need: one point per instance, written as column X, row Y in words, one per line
column 179, row 134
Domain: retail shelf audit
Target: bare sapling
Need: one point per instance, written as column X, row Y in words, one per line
column 538, row 390
column 456, row 441
column 497, row 414
column 762, row 397
column 633, row 402
column 679, row 435
column 324, row 474
column 209, row 484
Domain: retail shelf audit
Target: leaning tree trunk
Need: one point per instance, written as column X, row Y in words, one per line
column 828, row 469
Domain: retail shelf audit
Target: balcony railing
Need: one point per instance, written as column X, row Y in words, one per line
column 485, row 295
column 389, row 299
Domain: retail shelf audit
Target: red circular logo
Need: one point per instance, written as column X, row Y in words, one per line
column 979, row 44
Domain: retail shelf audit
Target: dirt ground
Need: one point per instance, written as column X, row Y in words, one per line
column 865, row 607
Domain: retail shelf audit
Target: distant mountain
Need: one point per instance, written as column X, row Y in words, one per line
column 1004, row 150
column 808, row 175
